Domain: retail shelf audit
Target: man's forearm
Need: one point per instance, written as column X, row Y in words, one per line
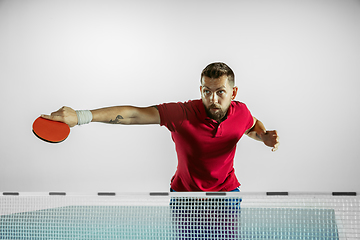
column 127, row 115
column 115, row 115
column 257, row 130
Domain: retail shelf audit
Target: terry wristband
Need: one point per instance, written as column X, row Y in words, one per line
column 84, row 116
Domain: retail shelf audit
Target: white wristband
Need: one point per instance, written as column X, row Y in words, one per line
column 84, row 116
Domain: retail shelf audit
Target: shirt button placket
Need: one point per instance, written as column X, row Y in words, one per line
column 218, row 131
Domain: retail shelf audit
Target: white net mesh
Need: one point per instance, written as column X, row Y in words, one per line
column 179, row 216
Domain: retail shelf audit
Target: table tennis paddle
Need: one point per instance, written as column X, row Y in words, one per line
column 50, row 131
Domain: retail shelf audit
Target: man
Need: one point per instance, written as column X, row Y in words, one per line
column 205, row 132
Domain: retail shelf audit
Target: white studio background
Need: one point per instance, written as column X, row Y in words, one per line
column 297, row 66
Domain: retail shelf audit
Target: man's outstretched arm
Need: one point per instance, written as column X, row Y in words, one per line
column 259, row 132
column 115, row 115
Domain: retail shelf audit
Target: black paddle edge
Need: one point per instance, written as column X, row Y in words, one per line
column 45, row 139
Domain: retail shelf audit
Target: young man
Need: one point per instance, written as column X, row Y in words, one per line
column 205, row 131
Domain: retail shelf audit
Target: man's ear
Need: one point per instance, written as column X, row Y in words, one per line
column 235, row 90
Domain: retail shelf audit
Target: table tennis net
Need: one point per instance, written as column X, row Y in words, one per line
column 179, row 216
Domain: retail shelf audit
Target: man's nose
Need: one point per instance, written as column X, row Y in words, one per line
column 213, row 98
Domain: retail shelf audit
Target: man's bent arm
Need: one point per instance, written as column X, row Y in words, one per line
column 256, row 130
column 259, row 132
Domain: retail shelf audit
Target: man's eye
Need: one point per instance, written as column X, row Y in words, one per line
column 220, row 92
column 206, row 91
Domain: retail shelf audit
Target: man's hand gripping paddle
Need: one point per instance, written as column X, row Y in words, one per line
column 50, row 131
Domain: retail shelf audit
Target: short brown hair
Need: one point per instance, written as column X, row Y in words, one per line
column 218, row 69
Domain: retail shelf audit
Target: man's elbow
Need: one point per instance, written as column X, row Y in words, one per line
column 252, row 127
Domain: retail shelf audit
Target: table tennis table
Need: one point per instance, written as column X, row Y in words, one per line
column 110, row 215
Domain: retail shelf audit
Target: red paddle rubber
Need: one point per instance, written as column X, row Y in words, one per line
column 50, row 131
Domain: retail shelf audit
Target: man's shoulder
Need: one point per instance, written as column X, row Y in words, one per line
column 238, row 104
column 173, row 114
column 239, row 108
column 196, row 102
column 189, row 103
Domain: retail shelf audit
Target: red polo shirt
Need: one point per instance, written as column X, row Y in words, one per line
column 205, row 148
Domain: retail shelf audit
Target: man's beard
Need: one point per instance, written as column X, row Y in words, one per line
column 217, row 115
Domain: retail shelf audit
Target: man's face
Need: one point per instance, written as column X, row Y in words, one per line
column 216, row 95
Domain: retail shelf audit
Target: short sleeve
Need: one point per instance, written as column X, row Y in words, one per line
column 250, row 118
column 171, row 115
column 243, row 113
